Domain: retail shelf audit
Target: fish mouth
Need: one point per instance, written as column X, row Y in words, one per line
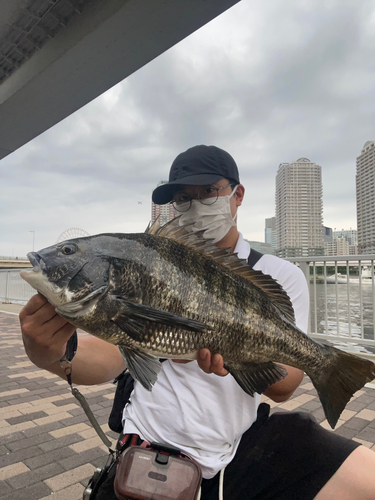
column 36, row 261
column 38, row 267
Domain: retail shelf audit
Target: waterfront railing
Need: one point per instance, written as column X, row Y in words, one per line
column 339, row 312
column 13, row 288
column 342, row 298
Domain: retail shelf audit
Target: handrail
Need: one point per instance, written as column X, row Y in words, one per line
column 349, row 307
column 345, row 313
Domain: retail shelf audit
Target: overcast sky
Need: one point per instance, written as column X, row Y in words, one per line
column 270, row 81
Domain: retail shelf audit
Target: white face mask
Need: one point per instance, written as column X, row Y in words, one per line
column 215, row 220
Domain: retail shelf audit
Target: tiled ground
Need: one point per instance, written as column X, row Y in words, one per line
column 48, row 446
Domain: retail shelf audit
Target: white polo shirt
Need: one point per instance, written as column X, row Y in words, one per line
column 202, row 414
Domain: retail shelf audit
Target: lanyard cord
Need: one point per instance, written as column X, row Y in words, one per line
column 221, row 484
column 66, row 365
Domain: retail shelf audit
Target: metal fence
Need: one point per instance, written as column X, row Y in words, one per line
column 13, row 288
column 12, row 258
column 339, row 311
column 342, row 298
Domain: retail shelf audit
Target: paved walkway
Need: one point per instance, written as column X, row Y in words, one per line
column 47, row 445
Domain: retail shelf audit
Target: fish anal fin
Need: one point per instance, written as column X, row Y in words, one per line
column 257, row 377
column 142, row 366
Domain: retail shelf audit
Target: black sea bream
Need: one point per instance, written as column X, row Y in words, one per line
column 167, row 293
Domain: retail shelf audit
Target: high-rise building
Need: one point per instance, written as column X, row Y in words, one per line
column 164, row 212
column 299, row 209
column 339, row 246
column 365, row 185
column 350, row 235
column 270, row 234
column 327, row 234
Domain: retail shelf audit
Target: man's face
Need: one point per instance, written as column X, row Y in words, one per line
column 184, row 193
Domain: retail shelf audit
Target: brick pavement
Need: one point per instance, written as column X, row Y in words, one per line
column 47, row 445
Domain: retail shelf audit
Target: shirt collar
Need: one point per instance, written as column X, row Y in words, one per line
column 242, row 248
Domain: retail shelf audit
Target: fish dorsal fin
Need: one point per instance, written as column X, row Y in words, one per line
column 153, row 227
column 184, row 235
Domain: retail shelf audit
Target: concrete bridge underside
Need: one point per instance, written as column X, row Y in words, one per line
column 58, row 55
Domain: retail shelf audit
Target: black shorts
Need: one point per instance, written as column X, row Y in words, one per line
column 285, row 456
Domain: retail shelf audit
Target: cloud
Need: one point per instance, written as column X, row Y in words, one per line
column 268, row 81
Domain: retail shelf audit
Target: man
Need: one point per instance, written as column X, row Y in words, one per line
column 197, row 406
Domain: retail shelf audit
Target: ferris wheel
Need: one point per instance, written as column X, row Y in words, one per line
column 72, row 233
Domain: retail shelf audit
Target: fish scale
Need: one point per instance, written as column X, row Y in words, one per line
column 168, row 293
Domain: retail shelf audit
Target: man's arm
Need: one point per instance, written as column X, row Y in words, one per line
column 281, row 391
column 45, row 335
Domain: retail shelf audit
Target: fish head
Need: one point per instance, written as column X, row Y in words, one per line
column 68, row 274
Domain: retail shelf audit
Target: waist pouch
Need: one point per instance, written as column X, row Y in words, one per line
column 156, row 473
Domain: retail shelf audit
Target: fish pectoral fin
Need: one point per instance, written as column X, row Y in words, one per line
column 142, row 366
column 258, row 377
column 140, row 312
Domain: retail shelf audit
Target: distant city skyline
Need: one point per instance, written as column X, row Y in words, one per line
column 298, row 229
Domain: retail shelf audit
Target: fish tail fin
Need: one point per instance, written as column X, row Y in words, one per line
column 348, row 374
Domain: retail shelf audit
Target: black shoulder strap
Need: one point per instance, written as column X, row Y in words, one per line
column 125, row 386
column 254, row 257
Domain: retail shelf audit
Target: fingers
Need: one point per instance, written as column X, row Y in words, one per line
column 36, row 302
column 44, row 332
column 65, row 332
column 211, row 363
column 43, row 322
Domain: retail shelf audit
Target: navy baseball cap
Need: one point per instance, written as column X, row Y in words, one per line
column 197, row 166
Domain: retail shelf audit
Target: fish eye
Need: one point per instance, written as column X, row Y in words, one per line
column 68, row 249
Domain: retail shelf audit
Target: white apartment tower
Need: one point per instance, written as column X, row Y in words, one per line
column 365, row 185
column 165, row 213
column 299, row 209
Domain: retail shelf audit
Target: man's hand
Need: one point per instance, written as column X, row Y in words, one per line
column 208, row 363
column 45, row 335
column 44, row 332
column 211, row 363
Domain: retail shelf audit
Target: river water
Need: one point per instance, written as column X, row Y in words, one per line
column 347, row 309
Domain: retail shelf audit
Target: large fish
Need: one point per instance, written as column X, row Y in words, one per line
column 167, row 293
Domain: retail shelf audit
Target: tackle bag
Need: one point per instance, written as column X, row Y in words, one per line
column 156, row 473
